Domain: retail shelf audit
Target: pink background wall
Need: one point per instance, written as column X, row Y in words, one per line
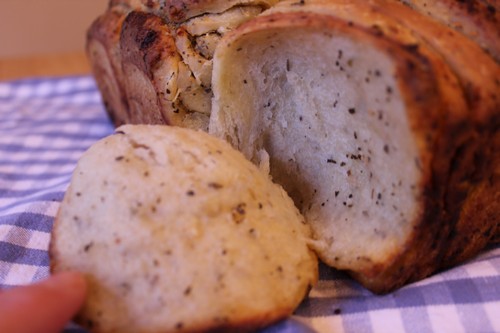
column 34, row 27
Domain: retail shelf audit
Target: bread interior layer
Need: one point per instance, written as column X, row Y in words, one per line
column 328, row 111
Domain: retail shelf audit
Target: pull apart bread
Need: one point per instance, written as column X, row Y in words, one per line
column 381, row 123
column 177, row 232
column 381, row 118
column 152, row 60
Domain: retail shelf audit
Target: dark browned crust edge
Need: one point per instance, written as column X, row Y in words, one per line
column 100, row 32
column 475, row 19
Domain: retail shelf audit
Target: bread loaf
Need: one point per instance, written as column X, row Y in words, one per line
column 372, row 126
column 176, row 231
column 424, row 145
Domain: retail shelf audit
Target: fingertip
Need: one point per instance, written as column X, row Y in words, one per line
column 72, row 284
column 51, row 304
column 69, row 279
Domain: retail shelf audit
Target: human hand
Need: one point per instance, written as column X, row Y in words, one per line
column 44, row 307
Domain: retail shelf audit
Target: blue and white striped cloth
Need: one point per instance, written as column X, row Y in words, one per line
column 45, row 126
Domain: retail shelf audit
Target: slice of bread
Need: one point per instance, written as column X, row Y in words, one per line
column 362, row 123
column 176, row 231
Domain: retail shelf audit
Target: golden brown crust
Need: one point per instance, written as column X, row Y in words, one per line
column 103, row 50
column 479, row 81
column 476, row 19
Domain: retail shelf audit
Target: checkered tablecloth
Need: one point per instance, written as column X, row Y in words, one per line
column 45, row 126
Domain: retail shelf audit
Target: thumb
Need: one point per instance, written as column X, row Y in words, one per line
column 45, row 307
